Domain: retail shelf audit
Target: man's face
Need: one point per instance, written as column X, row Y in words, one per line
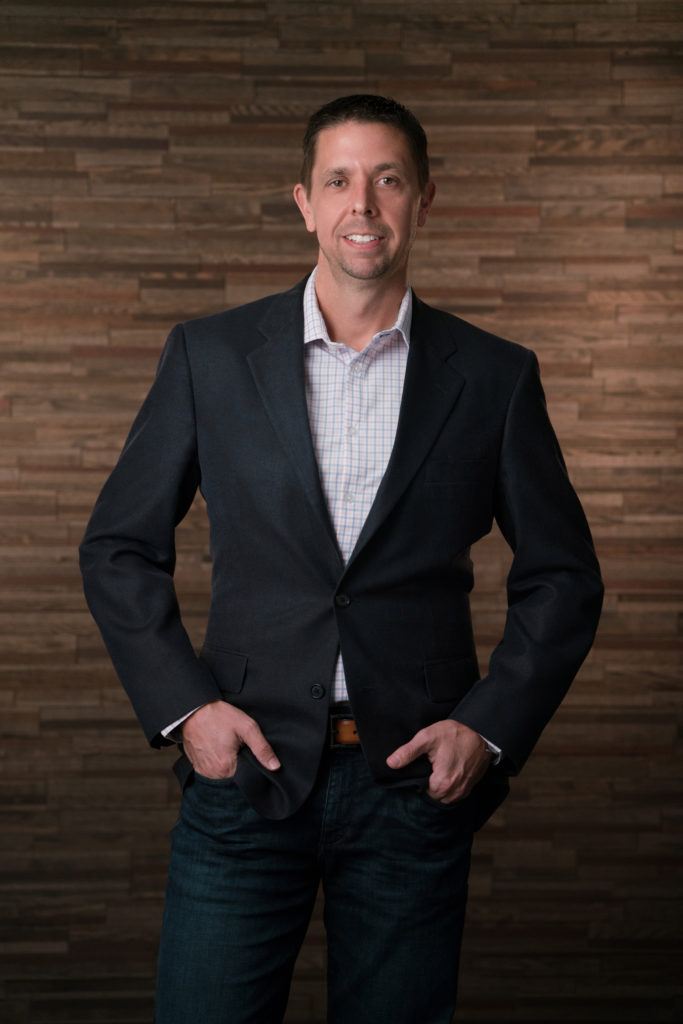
column 364, row 183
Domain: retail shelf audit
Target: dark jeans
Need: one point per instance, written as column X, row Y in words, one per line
column 241, row 889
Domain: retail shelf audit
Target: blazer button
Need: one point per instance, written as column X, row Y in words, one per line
column 317, row 691
column 342, row 600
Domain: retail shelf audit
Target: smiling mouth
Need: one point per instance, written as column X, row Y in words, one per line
column 363, row 241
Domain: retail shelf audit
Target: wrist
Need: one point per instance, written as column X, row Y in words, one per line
column 194, row 714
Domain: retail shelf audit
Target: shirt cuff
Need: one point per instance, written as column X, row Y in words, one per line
column 496, row 751
column 169, row 730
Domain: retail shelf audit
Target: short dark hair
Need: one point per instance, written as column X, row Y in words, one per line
column 366, row 107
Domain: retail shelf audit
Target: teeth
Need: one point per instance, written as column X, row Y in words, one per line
column 362, row 238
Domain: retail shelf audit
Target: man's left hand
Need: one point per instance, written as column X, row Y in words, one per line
column 458, row 755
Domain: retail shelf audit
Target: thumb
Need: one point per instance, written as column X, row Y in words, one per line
column 406, row 753
column 261, row 748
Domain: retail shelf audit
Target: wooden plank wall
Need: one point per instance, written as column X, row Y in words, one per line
column 147, row 155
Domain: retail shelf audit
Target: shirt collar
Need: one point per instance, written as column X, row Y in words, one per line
column 315, row 327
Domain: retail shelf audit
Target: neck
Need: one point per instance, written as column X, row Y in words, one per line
column 354, row 310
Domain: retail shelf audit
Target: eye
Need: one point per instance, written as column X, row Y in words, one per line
column 388, row 177
column 335, row 181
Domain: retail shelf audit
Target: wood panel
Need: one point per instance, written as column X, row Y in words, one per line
column 147, row 155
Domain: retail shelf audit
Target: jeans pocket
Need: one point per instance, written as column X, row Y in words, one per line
column 226, row 780
column 441, row 804
column 456, row 812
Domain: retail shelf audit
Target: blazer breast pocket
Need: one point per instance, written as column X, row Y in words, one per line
column 227, row 666
column 458, row 496
column 452, row 470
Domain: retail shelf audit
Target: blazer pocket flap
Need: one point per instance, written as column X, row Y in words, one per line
column 450, row 678
column 227, row 667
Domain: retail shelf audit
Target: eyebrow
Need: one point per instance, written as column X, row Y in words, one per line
column 377, row 167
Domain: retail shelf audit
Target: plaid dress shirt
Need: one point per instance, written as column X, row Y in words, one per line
column 353, row 403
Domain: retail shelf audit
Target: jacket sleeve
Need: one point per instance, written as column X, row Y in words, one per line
column 127, row 554
column 554, row 586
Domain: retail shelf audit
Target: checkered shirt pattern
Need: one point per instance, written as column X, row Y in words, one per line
column 353, row 402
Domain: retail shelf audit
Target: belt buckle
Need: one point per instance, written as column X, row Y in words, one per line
column 344, row 716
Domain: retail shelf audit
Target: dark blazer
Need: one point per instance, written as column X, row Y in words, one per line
column 227, row 413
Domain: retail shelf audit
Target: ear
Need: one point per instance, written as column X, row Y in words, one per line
column 426, row 201
column 301, row 200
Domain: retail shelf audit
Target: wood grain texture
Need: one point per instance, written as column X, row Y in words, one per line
column 147, row 155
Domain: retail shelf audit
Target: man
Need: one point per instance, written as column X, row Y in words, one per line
column 351, row 443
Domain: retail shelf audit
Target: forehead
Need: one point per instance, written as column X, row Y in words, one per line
column 360, row 144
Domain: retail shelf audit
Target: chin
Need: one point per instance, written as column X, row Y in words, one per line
column 369, row 272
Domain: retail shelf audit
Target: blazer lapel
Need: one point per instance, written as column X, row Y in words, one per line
column 278, row 370
column 431, row 387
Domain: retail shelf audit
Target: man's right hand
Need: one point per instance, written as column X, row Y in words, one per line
column 213, row 734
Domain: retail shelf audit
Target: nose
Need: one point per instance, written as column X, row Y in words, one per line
column 363, row 200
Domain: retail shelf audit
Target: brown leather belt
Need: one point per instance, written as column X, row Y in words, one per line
column 343, row 732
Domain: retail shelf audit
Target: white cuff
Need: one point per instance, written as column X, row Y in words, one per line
column 494, row 750
column 169, row 728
